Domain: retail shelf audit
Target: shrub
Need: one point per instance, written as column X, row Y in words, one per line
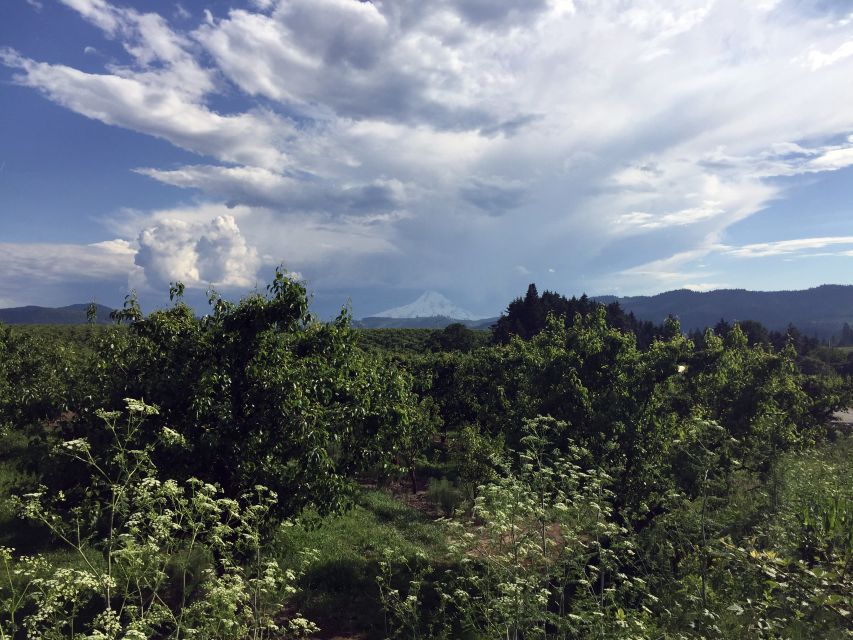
column 444, row 494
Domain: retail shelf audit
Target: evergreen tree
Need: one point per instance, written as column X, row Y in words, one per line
column 846, row 336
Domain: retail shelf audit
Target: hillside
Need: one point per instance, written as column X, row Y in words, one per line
column 72, row 314
column 821, row 310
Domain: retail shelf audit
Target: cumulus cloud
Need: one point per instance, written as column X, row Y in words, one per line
column 197, row 254
column 329, row 248
column 368, row 60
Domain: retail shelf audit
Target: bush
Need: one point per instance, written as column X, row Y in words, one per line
column 445, row 494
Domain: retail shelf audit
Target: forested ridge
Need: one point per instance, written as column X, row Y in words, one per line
column 574, row 473
column 72, row 314
column 821, row 311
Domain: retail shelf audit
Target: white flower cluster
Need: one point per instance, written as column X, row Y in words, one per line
column 152, row 522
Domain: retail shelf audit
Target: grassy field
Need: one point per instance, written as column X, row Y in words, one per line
column 340, row 592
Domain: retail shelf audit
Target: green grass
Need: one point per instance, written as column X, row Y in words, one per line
column 826, row 469
column 24, row 537
column 340, row 591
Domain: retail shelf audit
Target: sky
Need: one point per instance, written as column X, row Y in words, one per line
column 378, row 149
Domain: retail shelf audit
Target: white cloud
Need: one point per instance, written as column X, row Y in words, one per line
column 155, row 109
column 663, row 21
column 181, row 12
column 53, row 274
column 708, row 209
column 832, row 160
column 366, row 60
column 129, row 223
column 704, row 286
column 785, row 247
column 327, row 249
column 197, row 254
column 676, row 271
column 162, row 55
column 44, row 263
column 817, row 59
column 117, row 247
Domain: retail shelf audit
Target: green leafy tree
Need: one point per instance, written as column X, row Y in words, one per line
column 263, row 392
column 756, row 394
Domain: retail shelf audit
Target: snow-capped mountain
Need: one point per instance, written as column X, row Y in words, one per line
column 429, row 305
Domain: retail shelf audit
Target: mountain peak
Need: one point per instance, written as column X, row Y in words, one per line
column 428, row 305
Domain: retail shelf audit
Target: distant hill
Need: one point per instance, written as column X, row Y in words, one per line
column 820, row 311
column 429, row 322
column 72, row 314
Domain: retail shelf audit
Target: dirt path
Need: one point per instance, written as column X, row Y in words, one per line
column 844, row 416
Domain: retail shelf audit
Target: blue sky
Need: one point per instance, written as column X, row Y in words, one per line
column 380, row 149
